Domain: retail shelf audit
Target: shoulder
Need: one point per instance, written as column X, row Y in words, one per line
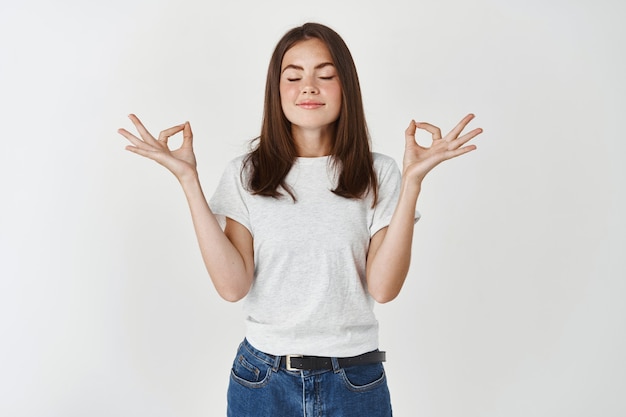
column 237, row 162
column 235, row 165
column 233, row 173
column 383, row 164
column 382, row 158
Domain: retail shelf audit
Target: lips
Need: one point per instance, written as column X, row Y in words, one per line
column 309, row 104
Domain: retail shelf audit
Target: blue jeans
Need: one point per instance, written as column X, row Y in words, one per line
column 259, row 387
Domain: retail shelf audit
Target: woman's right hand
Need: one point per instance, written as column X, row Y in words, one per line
column 181, row 162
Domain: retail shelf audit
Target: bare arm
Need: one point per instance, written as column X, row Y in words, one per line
column 228, row 255
column 389, row 255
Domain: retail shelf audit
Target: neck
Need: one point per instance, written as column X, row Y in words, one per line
column 312, row 143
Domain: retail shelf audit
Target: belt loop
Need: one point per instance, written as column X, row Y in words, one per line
column 276, row 363
column 335, row 363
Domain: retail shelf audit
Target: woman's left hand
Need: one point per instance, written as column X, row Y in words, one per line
column 419, row 161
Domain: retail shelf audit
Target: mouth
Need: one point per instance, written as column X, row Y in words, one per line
column 309, row 104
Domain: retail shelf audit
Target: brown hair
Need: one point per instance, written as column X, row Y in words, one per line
column 274, row 152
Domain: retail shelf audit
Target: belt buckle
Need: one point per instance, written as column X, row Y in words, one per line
column 288, row 362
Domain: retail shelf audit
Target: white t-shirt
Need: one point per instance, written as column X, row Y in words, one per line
column 309, row 293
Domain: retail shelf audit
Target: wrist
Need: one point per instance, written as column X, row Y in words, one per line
column 410, row 187
column 189, row 179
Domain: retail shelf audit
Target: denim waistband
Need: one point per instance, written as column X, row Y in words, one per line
column 271, row 360
column 317, row 363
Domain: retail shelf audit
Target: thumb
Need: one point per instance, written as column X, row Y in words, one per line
column 409, row 133
column 187, row 134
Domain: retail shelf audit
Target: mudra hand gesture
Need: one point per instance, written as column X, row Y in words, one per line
column 419, row 161
column 181, row 162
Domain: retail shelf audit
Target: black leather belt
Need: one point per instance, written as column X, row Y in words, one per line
column 310, row 363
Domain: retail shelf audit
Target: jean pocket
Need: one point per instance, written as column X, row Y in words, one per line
column 249, row 373
column 364, row 377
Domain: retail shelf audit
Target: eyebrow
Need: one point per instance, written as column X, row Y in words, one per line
column 297, row 67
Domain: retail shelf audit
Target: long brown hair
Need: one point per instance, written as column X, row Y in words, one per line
column 274, row 150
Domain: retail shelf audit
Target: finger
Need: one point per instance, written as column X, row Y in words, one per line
column 432, row 129
column 143, row 132
column 409, row 133
column 461, row 151
column 165, row 134
column 150, row 154
column 468, row 136
column 409, row 136
column 187, row 134
column 155, row 155
column 131, row 138
column 454, row 133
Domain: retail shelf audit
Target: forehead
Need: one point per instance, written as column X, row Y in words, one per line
column 311, row 51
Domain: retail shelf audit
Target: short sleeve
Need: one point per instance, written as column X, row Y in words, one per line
column 230, row 198
column 389, row 182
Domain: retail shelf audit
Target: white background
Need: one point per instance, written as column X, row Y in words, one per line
column 514, row 305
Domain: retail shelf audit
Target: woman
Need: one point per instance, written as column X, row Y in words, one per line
column 310, row 227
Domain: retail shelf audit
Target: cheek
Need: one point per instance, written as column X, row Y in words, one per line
column 337, row 96
column 285, row 100
column 285, row 90
column 283, row 96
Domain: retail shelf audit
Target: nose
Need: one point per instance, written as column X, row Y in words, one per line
column 309, row 86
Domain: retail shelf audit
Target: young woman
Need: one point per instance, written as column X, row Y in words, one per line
column 310, row 227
